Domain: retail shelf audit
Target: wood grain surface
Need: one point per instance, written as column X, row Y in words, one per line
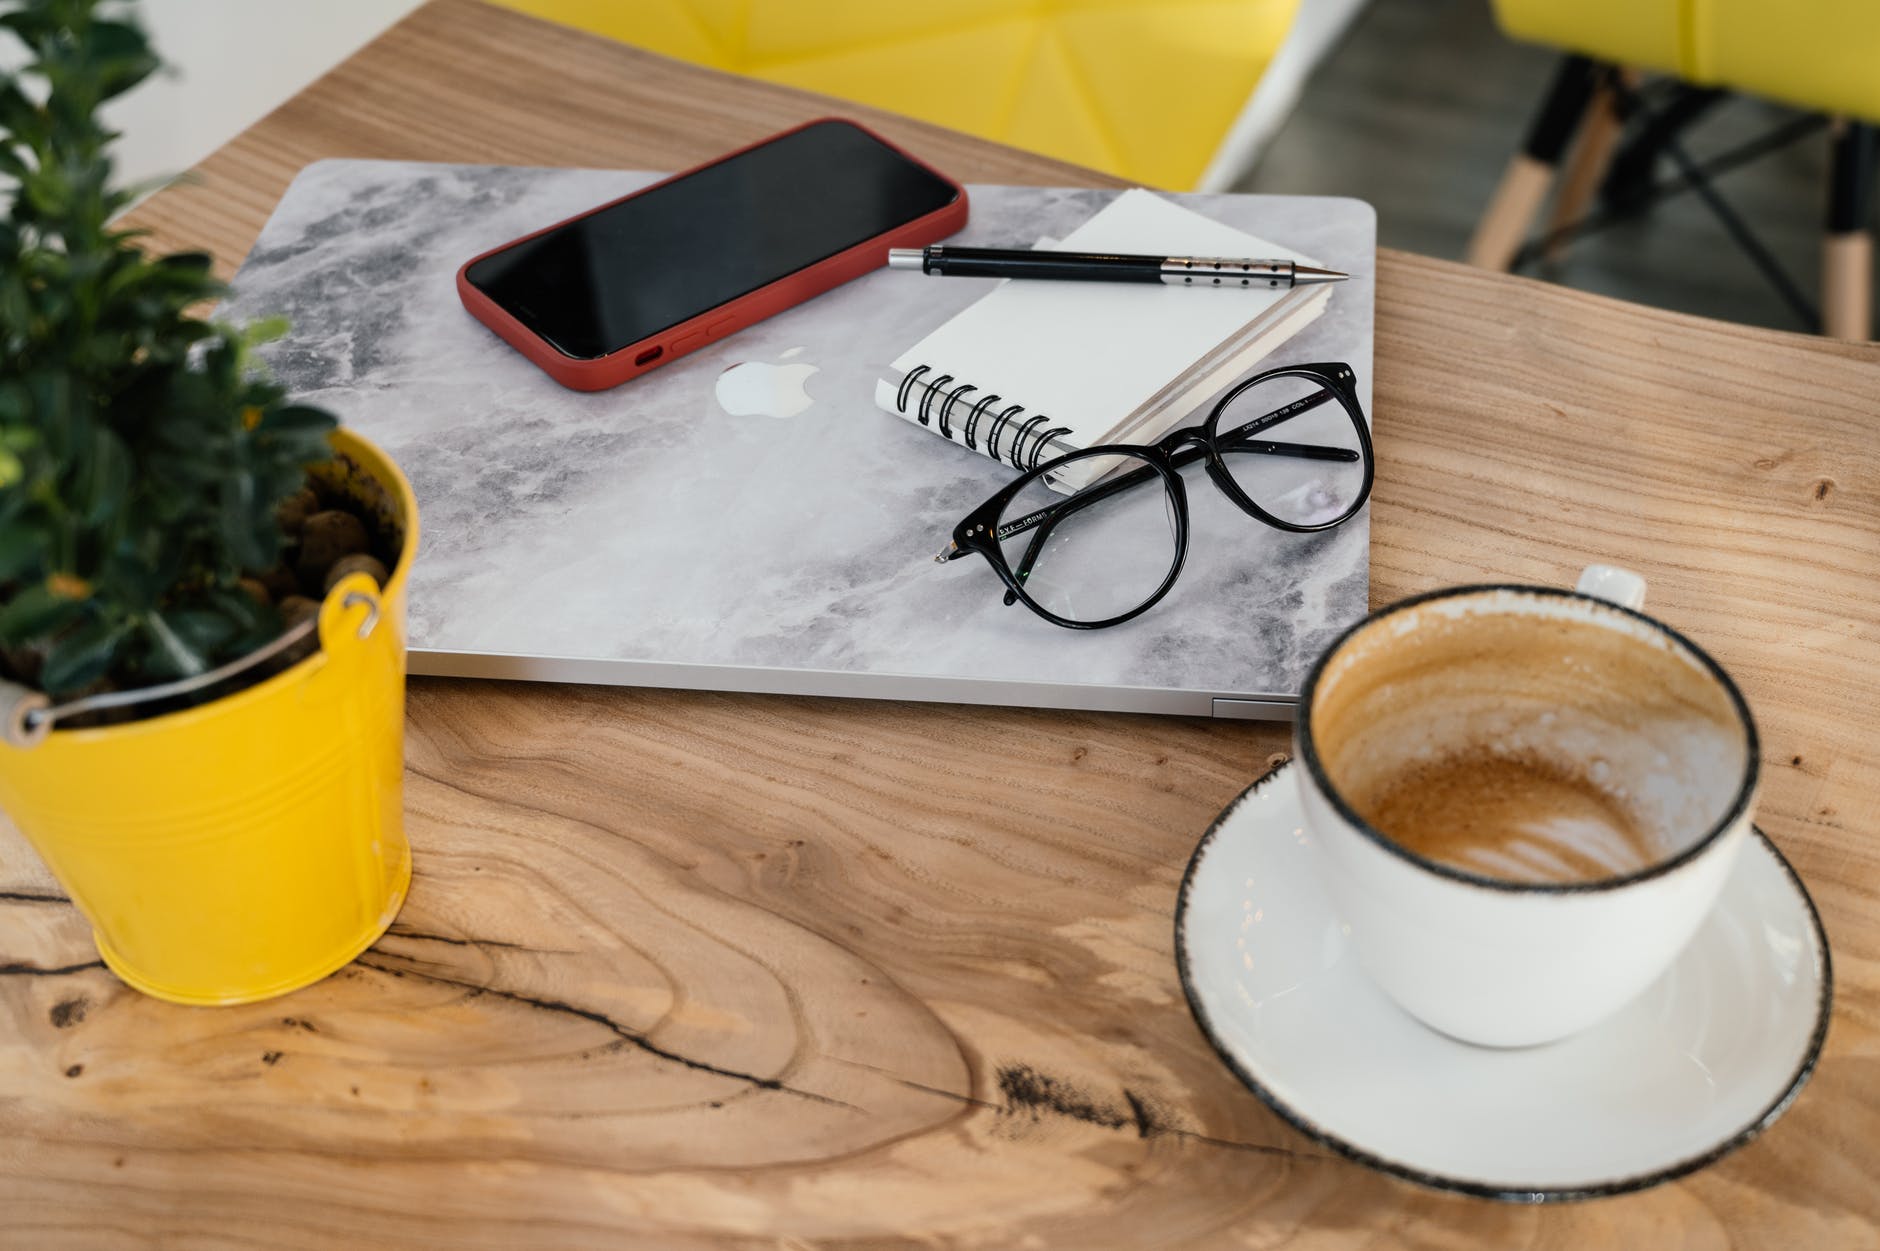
column 694, row 970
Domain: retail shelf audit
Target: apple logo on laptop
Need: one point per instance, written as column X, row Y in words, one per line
column 764, row 389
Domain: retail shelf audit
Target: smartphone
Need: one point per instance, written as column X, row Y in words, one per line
column 626, row 287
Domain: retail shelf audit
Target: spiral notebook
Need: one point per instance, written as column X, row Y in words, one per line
column 1037, row 369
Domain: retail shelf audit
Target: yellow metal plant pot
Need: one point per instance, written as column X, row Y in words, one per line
column 253, row 845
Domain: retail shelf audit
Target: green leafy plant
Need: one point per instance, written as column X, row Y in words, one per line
column 142, row 455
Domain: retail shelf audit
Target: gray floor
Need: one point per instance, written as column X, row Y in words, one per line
column 1419, row 108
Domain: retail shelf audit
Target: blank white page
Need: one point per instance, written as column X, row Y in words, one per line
column 1089, row 354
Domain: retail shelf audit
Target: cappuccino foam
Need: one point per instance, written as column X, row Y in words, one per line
column 1525, row 819
column 1529, row 741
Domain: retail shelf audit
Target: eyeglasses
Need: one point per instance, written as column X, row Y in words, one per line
column 1096, row 537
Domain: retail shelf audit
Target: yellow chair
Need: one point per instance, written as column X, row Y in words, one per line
column 1818, row 55
column 1144, row 89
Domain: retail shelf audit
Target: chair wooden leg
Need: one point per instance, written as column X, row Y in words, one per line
column 1847, row 249
column 1524, row 185
column 1599, row 136
column 1847, row 285
column 1505, row 224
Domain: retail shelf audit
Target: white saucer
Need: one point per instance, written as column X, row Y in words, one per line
column 1710, row 1055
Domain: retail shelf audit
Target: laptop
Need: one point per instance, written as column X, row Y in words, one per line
column 745, row 518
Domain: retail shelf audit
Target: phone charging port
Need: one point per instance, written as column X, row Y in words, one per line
column 649, row 356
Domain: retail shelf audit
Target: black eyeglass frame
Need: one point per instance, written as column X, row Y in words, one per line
column 980, row 530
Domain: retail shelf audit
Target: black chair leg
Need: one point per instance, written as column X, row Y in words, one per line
column 1633, row 172
column 1847, row 249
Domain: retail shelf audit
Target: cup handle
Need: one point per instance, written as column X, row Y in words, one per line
column 1614, row 585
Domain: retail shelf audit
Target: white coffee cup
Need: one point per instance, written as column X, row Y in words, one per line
column 1479, row 955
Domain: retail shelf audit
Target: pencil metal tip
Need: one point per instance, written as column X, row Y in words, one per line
column 1303, row 274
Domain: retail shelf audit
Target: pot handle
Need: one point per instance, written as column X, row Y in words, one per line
column 28, row 716
column 349, row 612
column 23, row 719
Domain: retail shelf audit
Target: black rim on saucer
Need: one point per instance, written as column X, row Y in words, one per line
column 1746, row 788
column 1488, row 1190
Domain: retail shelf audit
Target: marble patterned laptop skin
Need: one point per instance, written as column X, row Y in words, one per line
column 646, row 536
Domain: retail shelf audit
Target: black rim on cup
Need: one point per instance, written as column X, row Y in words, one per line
column 1746, row 787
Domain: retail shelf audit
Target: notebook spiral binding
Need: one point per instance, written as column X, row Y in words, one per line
column 939, row 396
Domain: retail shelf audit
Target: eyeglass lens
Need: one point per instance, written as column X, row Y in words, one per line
column 1305, row 470
column 1096, row 555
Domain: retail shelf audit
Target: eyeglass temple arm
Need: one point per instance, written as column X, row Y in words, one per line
column 1046, row 521
column 1044, row 524
column 1187, row 456
column 1287, row 412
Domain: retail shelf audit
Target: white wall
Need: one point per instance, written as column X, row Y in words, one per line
column 231, row 62
column 1315, row 31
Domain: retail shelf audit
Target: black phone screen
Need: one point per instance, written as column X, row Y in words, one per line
column 629, row 271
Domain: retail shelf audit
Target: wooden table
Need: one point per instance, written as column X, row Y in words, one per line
column 690, row 970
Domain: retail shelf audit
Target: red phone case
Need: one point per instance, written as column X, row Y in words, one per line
column 599, row 373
